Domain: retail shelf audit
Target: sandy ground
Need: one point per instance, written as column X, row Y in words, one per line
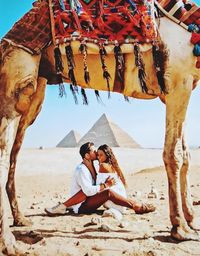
column 43, row 178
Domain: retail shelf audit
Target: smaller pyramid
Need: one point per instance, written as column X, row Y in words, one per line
column 70, row 140
column 104, row 131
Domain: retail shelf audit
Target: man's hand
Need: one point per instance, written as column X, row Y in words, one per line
column 88, row 163
column 110, row 181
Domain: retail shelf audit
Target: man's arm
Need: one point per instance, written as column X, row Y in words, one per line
column 85, row 181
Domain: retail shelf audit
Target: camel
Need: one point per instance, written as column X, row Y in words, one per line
column 22, row 92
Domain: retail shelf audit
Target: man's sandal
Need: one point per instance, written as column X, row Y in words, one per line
column 145, row 208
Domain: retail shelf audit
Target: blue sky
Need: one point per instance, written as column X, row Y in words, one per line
column 144, row 120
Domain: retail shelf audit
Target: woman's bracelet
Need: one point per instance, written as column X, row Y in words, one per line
column 104, row 184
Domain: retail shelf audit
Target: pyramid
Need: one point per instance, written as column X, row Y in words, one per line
column 104, row 131
column 70, row 140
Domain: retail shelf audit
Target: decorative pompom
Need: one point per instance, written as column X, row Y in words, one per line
column 195, row 38
column 193, row 28
column 196, row 50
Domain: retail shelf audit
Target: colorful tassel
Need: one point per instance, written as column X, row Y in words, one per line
column 59, row 69
column 83, row 50
column 119, row 58
column 62, row 5
column 106, row 75
column 58, row 59
column 98, row 96
column 141, row 71
column 70, row 63
column 126, row 98
column 159, row 58
column 84, row 96
column 74, row 92
column 62, row 91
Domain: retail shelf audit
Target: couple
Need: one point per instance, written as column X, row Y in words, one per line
column 90, row 190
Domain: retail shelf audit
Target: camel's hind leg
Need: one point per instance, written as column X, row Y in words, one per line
column 26, row 120
column 188, row 208
column 176, row 107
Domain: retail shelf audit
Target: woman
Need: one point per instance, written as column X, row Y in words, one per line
column 108, row 167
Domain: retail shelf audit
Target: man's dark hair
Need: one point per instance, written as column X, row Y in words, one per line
column 85, row 148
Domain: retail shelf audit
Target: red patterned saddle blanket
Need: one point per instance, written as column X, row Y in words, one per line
column 101, row 20
column 105, row 20
column 97, row 20
column 33, row 31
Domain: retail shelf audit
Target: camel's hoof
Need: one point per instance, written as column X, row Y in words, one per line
column 195, row 224
column 22, row 222
column 184, row 234
column 8, row 245
column 12, row 251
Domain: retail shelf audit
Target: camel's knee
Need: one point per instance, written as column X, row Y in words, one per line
column 23, row 94
column 173, row 158
column 9, row 186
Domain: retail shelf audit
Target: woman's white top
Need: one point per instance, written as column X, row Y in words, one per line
column 118, row 188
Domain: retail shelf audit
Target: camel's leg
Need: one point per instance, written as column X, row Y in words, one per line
column 26, row 120
column 8, row 129
column 18, row 77
column 176, row 106
column 188, row 208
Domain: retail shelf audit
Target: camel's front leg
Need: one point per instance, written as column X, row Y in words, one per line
column 176, row 107
column 188, row 208
column 8, row 128
column 26, row 120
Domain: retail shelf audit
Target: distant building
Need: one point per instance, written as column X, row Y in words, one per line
column 104, row 131
column 70, row 140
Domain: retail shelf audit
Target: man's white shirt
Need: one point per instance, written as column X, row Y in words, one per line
column 82, row 179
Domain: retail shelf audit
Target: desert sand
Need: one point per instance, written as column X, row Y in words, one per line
column 42, row 180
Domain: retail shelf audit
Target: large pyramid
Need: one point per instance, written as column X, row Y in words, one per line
column 70, row 140
column 104, row 131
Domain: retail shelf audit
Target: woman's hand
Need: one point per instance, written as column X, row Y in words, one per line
column 110, row 181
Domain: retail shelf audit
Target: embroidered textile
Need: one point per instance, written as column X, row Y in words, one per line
column 33, row 30
column 102, row 20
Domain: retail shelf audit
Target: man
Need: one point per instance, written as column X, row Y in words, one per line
column 86, row 195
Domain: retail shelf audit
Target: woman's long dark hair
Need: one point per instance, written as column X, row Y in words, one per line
column 111, row 159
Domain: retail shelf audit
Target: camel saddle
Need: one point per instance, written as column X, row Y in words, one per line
column 99, row 21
